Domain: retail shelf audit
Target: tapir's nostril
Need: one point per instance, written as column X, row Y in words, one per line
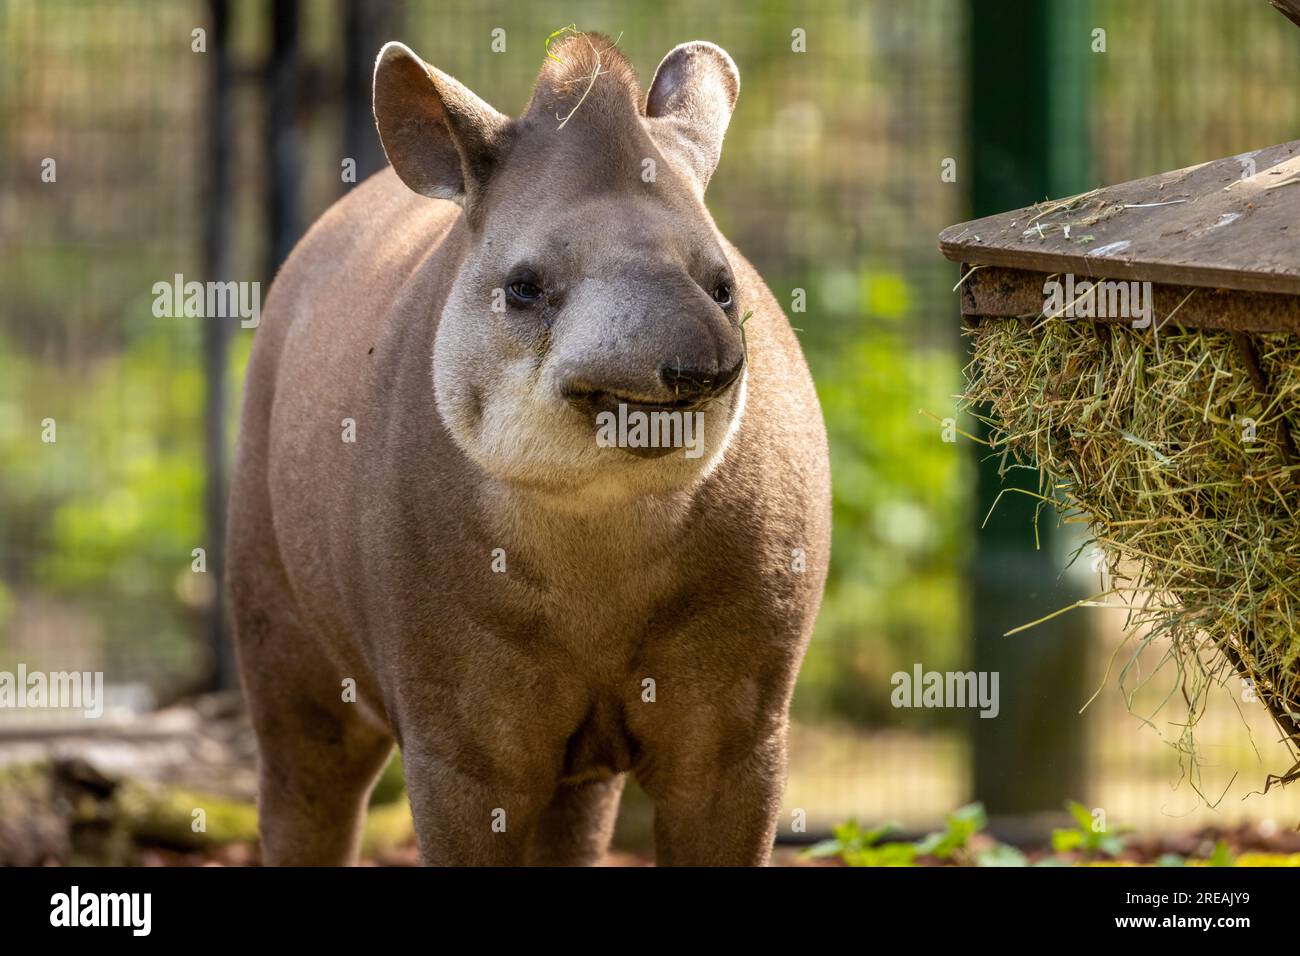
column 694, row 384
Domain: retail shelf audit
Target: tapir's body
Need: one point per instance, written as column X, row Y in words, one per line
column 524, row 641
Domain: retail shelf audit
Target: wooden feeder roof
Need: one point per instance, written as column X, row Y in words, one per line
column 1219, row 244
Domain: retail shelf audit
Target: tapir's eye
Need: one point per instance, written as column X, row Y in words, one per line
column 722, row 294
column 524, row 292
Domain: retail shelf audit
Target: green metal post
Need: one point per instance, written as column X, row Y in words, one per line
column 1028, row 139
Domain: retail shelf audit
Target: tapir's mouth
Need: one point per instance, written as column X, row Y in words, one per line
column 611, row 412
column 597, row 401
column 593, row 401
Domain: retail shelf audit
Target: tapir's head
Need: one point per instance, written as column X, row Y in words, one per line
column 594, row 276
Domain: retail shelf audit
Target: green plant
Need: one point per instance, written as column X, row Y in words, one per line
column 953, row 841
column 1222, row 856
column 859, row 847
column 1001, row 854
column 1084, row 837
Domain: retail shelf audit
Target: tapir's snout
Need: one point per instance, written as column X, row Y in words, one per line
column 681, row 355
column 674, row 386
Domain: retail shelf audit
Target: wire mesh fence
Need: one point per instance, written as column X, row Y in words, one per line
column 830, row 183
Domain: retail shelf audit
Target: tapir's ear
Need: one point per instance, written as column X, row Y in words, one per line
column 693, row 94
column 442, row 140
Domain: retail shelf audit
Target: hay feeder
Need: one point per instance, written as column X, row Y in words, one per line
column 1140, row 345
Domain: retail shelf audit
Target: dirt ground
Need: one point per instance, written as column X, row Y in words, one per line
column 176, row 788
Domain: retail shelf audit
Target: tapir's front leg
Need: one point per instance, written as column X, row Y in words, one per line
column 482, row 740
column 713, row 736
column 719, row 815
column 465, row 819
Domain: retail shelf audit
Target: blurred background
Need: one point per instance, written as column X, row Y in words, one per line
column 207, row 154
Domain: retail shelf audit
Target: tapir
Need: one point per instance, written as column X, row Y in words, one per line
column 428, row 546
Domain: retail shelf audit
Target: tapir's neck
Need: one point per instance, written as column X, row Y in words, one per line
column 579, row 530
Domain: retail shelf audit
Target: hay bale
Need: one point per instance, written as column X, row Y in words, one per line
column 1176, row 450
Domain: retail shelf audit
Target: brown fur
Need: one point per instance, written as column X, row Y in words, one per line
column 522, row 692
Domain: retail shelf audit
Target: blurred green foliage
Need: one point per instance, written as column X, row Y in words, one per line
column 102, row 520
column 894, row 594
